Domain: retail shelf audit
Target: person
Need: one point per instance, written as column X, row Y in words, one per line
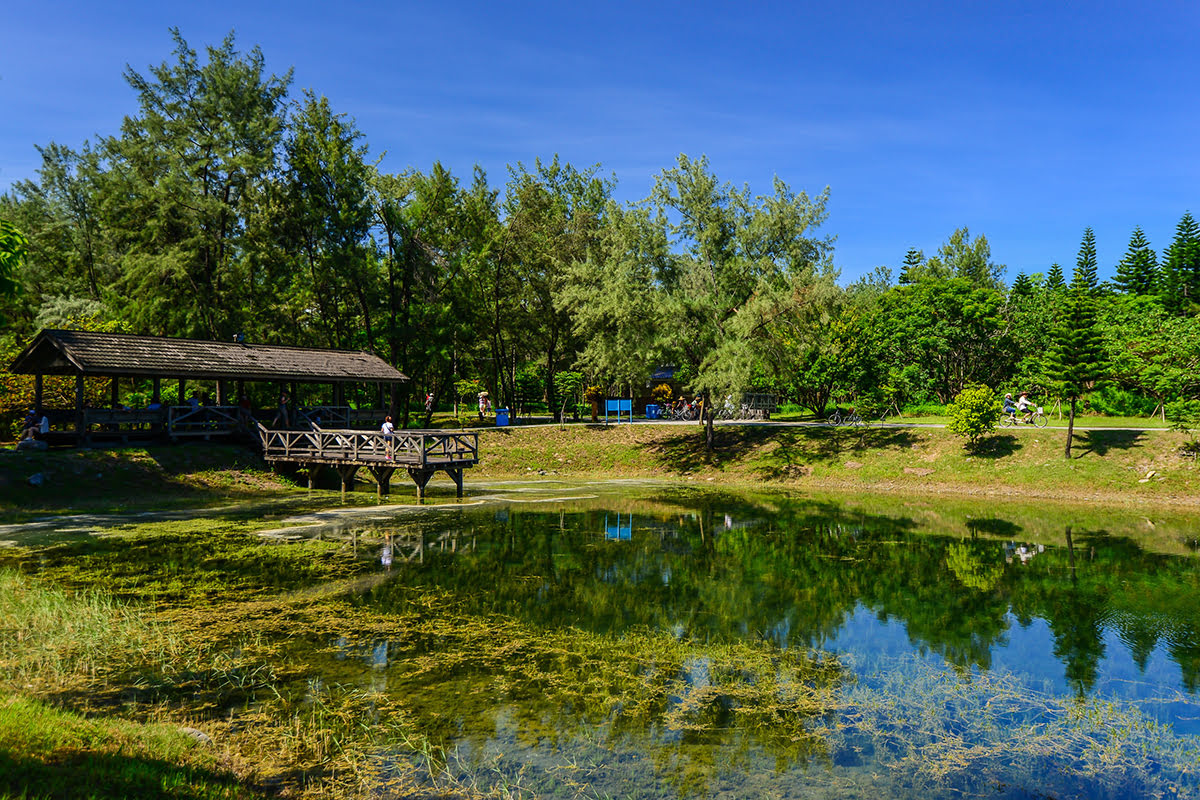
column 1025, row 407
column 484, row 404
column 194, row 401
column 30, row 426
column 388, row 430
column 281, row 416
column 1010, row 410
column 429, row 403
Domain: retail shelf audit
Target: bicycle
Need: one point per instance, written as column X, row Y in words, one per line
column 1037, row 418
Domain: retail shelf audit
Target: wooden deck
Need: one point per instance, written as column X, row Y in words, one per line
column 421, row 453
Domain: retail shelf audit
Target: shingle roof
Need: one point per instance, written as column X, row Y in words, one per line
column 55, row 352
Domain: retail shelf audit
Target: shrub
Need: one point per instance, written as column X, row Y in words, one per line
column 1184, row 416
column 661, row 394
column 973, row 413
column 593, row 394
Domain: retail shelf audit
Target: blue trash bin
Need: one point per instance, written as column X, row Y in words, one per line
column 653, row 411
column 501, row 417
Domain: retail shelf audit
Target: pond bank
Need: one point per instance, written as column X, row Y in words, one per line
column 1108, row 466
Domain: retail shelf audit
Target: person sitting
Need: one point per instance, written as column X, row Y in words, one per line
column 1025, row 407
column 1010, row 408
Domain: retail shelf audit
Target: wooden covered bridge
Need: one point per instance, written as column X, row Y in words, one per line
column 329, row 432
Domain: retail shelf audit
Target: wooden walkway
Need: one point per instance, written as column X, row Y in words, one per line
column 421, row 453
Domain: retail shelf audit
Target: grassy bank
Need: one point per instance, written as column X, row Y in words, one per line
column 1106, row 465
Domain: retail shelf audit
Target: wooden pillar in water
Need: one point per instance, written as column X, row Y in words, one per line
column 383, row 477
column 420, row 476
column 313, row 471
column 347, row 473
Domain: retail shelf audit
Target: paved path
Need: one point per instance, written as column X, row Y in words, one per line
column 545, row 422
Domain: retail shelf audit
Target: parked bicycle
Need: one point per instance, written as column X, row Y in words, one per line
column 840, row 417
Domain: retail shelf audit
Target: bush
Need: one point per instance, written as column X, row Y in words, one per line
column 926, row 409
column 973, row 413
column 593, row 394
column 1184, row 416
column 1118, row 402
column 661, row 394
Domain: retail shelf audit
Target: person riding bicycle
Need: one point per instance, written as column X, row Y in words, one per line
column 1025, row 407
column 1010, row 409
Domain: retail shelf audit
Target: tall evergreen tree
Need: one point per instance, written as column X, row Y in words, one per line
column 1054, row 279
column 1022, row 286
column 1138, row 271
column 1181, row 268
column 1085, row 263
column 914, row 259
column 1076, row 359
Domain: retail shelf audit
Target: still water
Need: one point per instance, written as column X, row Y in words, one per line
column 949, row 651
column 632, row 640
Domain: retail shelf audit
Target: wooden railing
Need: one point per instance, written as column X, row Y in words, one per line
column 204, row 421
column 417, row 448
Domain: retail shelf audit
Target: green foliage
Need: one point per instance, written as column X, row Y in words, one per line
column 961, row 257
column 1180, row 285
column 14, row 248
column 1137, row 273
column 1076, row 360
column 1184, row 416
column 1085, row 263
column 1054, row 278
column 973, row 413
column 594, row 394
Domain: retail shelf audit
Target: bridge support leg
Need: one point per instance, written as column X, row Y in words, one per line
column 456, row 475
column 347, row 474
column 313, row 470
column 383, row 478
column 420, row 478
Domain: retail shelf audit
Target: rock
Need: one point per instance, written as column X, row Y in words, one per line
column 853, row 465
column 37, row 479
column 922, row 471
column 198, row 735
column 32, row 444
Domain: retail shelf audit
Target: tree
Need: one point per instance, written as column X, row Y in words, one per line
column 1085, row 263
column 1075, row 361
column 962, row 257
column 973, row 413
column 13, row 251
column 1181, row 268
column 329, row 215
column 181, row 182
column 1022, row 286
column 1054, row 278
column 914, row 259
column 1137, row 273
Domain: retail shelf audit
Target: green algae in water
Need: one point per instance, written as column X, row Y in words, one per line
column 683, row 643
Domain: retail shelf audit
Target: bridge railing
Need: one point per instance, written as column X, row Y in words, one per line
column 203, row 421
column 414, row 447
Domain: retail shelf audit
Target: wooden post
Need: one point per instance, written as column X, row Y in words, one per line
column 456, row 475
column 313, row 470
column 181, row 400
column 221, row 393
column 37, row 392
column 347, row 473
column 80, row 433
column 420, row 476
column 156, row 390
column 383, row 477
column 116, row 393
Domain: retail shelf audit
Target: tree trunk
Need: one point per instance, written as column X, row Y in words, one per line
column 1070, row 428
column 708, row 423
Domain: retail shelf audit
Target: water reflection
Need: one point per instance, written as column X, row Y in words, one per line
column 804, row 575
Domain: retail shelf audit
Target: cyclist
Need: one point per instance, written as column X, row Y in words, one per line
column 1025, row 407
column 1010, row 410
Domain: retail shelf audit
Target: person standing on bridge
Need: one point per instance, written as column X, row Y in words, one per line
column 388, row 430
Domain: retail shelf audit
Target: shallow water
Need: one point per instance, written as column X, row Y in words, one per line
column 1027, row 651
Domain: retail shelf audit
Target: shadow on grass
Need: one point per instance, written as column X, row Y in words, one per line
column 993, row 527
column 777, row 450
column 101, row 775
column 1100, row 442
column 998, row 446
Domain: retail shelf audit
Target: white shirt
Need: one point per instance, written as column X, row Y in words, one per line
column 388, row 428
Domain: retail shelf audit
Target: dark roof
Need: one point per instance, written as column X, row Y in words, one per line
column 122, row 354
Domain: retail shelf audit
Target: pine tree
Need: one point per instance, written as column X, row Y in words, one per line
column 1022, row 286
column 914, row 259
column 1138, row 271
column 1085, row 263
column 1075, row 360
column 1054, row 280
column 1181, row 268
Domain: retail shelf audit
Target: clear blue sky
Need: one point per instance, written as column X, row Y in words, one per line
column 1025, row 121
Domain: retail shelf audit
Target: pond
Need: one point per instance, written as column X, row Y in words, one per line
column 634, row 640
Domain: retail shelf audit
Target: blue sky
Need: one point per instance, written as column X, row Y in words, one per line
column 1023, row 121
